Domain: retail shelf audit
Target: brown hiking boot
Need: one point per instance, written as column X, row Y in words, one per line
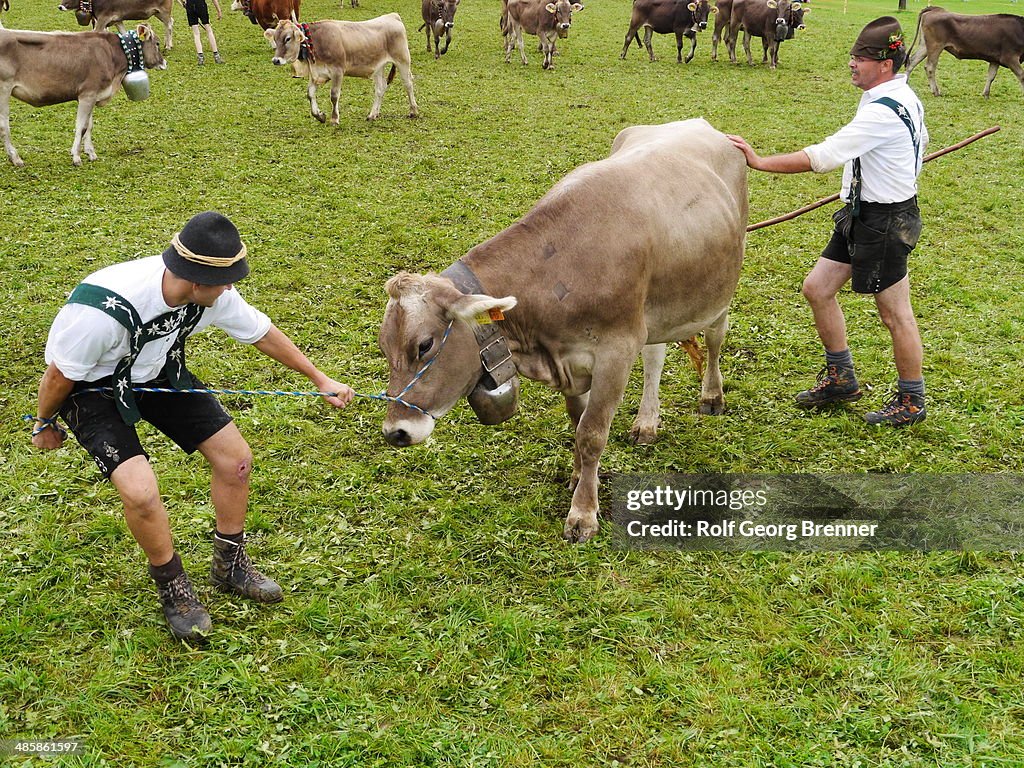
column 903, row 409
column 835, row 385
column 185, row 615
column 233, row 571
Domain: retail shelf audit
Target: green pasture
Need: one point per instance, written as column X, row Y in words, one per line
column 434, row 616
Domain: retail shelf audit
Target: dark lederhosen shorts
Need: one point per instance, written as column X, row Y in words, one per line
column 196, row 12
column 188, row 419
column 876, row 243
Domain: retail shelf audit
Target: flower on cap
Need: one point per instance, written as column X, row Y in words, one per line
column 896, row 41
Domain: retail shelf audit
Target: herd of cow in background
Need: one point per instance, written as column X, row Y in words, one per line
column 43, row 68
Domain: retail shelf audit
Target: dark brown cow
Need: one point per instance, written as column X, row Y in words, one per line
column 667, row 17
column 266, row 13
column 331, row 50
column 44, row 68
column 771, row 20
column 105, row 13
column 997, row 38
column 438, row 19
column 723, row 18
column 549, row 21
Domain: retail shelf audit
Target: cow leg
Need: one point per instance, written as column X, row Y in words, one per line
column 430, row 32
column 929, row 67
column 645, row 427
column 576, row 405
column 629, row 39
column 679, row 48
column 169, row 26
column 772, row 52
column 82, row 120
column 609, row 382
column 712, row 395
column 447, row 41
column 648, row 36
column 993, row 70
column 314, row 108
column 693, row 49
column 405, row 72
column 335, row 98
column 90, row 150
column 1016, row 68
column 520, row 44
column 5, row 125
column 746, row 47
column 731, row 43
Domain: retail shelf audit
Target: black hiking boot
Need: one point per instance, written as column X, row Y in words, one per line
column 903, row 409
column 186, row 616
column 233, row 571
column 835, row 385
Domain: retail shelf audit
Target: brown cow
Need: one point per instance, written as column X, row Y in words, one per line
column 266, row 13
column 667, row 17
column 771, row 20
column 44, row 68
column 682, row 188
column 105, row 13
column 331, row 50
column 438, row 19
column 997, row 38
column 549, row 21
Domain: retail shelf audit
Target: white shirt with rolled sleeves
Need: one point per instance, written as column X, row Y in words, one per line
column 889, row 167
column 86, row 344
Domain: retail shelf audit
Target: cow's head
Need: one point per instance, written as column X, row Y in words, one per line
column 699, row 12
column 444, row 12
column 420, row 309
column 788, row 17
column 286, row 39
column 152, row 58
column 562, row 11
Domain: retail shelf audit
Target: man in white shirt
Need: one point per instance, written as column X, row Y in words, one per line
column 881, row 151
column 126, row 326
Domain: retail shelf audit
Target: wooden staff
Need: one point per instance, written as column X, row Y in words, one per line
column 832, row 198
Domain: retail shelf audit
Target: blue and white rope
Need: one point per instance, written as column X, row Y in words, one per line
column 47, row 423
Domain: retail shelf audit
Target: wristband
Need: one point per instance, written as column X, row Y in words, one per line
column 44, row 424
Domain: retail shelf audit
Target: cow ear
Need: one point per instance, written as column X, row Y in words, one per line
column 772, row 4
column 577, row 7
column 269, row 34
column 714, row 9
column 805, row 9
column 143, row 31
column 692, row 7
column 550, row 7
column 467, row 308
column 796, row 6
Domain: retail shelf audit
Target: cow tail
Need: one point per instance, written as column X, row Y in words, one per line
column 424, row 24
column 917, row 32
column 391, row 74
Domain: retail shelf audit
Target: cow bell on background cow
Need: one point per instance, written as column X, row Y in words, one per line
column 493, row 406
column 84, row 19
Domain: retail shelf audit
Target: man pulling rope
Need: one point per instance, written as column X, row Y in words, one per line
column 129, row 323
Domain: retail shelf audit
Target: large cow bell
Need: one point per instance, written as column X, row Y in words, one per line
column 136, row 85
column 84, row 19
column 493, row 406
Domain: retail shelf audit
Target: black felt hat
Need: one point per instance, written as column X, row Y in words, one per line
column 880, row 39
column 208, row 251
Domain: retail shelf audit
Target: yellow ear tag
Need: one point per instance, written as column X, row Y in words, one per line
column 492, row 315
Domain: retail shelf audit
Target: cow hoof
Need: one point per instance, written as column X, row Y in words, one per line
column 577, row 531
column 713, row 407
column 77, row 161
column 643, row 435
column 321, row 117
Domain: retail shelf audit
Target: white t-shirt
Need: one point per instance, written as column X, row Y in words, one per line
column 888, row 164
column 86, row 343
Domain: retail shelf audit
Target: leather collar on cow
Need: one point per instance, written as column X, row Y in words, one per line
column 85, row 7
column 132, row 47
column 495, row 355
column 306, row 50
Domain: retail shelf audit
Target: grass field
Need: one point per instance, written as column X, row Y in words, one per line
column 433, row 614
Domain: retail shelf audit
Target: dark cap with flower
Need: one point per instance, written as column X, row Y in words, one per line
column 880, row 39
